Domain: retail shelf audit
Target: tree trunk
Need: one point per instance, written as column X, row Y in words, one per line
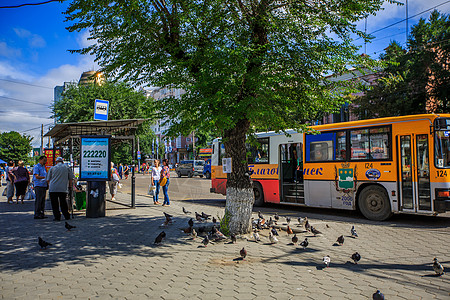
column 240, row 196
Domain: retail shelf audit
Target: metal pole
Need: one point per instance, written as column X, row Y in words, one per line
column 365, row 32
column 73, row 168
column 42, row 139
column 139, row 151
column 133, row 177
column 193, row 143
column 406, row 21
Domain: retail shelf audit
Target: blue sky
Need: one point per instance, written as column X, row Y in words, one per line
column 34, row 55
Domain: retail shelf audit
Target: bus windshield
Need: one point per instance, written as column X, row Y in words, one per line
column 442, row 148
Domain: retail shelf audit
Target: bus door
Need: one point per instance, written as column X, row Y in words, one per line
column 414, row 171
column 291, row 179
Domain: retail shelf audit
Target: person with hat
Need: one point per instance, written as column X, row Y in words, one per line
column 59, row 178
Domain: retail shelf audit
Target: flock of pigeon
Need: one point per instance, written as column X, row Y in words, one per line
column 214, row 235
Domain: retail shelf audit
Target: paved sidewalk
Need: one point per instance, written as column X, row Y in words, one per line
column 114, row 257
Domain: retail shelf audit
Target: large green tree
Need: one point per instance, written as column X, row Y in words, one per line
column 77, row 105
column 14, row 146
column 244, row 64
column 415, row 79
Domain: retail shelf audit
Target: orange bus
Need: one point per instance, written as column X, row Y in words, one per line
column 380, row 166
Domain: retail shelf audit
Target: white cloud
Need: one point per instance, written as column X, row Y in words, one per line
column 21, row 116
column 34, row 40
column 9, row 52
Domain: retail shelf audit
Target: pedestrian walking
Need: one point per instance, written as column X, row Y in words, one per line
column 59, row 178
column 10, row 182
column 114, row 182
column 156, row 176
column 164, row 181
column 21, row 180
column 40, row 187
column 126, row 171
column 120, row 170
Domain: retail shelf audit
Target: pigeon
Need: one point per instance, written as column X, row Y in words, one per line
column 187, row 230
column 213, row 230
column 43, row 243
column 256, row 236
column 327, row 226
column 326, row 261
column 274, row 231
column 260, row 215
column 190, row 222
column 233, row 238
column 438, row 268
column 289, row 230
column 243, row 253
column 214, row 220
column 168, row 218
column 160, row 237
column 219, row 235
column 307, row 226
column 185, row 211
column 205, row 216
column 295, row 239
column 270, row 222
column 353, row 232
column 288, row 220
column 194, row 234
column 305, row 243
column 198, row 217
column 205, row 241
column 276, row 217
column 69, row 227
column 315, row 231
column 378, row 295
column 273, row 239
column 340, row 240
column 356, row 257
column 302, row 221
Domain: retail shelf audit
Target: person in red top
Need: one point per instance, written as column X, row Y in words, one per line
column 165, row 173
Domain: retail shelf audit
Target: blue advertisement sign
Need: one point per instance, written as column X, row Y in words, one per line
column 101, row 108
column 95, row 161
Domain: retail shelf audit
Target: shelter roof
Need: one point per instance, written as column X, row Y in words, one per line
column 118, row 129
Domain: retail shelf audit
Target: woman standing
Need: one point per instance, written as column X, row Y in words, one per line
column 113, row 182
column 21, row 180
column 156, row 175
column 126, row 171
column 165, row 173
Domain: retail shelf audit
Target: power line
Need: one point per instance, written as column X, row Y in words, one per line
column 393, row 24
column 28, row 4
column 25, row 101
column 39, row 127
column 24, row 83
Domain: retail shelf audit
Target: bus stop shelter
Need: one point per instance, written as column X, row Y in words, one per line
column 67, row 136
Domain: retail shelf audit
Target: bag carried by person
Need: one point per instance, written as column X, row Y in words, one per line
column 163, row 181
column 151, row 190
column 29, row 195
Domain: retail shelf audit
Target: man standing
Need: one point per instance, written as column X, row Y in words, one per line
column 10, row 182
column 59, row 177
column 40, row 187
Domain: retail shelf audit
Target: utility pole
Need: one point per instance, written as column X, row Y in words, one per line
column 139, row 155
column 365, row 32
column 193, row 143
column 42, row 139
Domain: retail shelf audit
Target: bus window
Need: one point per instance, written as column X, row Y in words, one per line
column 321, row 151
column 221, row 153
column 379, row 143
column 442, row 148
column 341, row 145
column 359, row 140
column 259, row 154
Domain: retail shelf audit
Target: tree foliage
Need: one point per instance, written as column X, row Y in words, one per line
column 415, row 80
column 244, row 64
column 14, row 146
column 77, row 105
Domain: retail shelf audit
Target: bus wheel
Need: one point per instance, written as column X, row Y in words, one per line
column 374, row 203
column 179, row 174
column 258, row 193
column 208, row 175
column 190, row 175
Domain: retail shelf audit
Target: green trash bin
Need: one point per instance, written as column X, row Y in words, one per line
column 80, row 200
